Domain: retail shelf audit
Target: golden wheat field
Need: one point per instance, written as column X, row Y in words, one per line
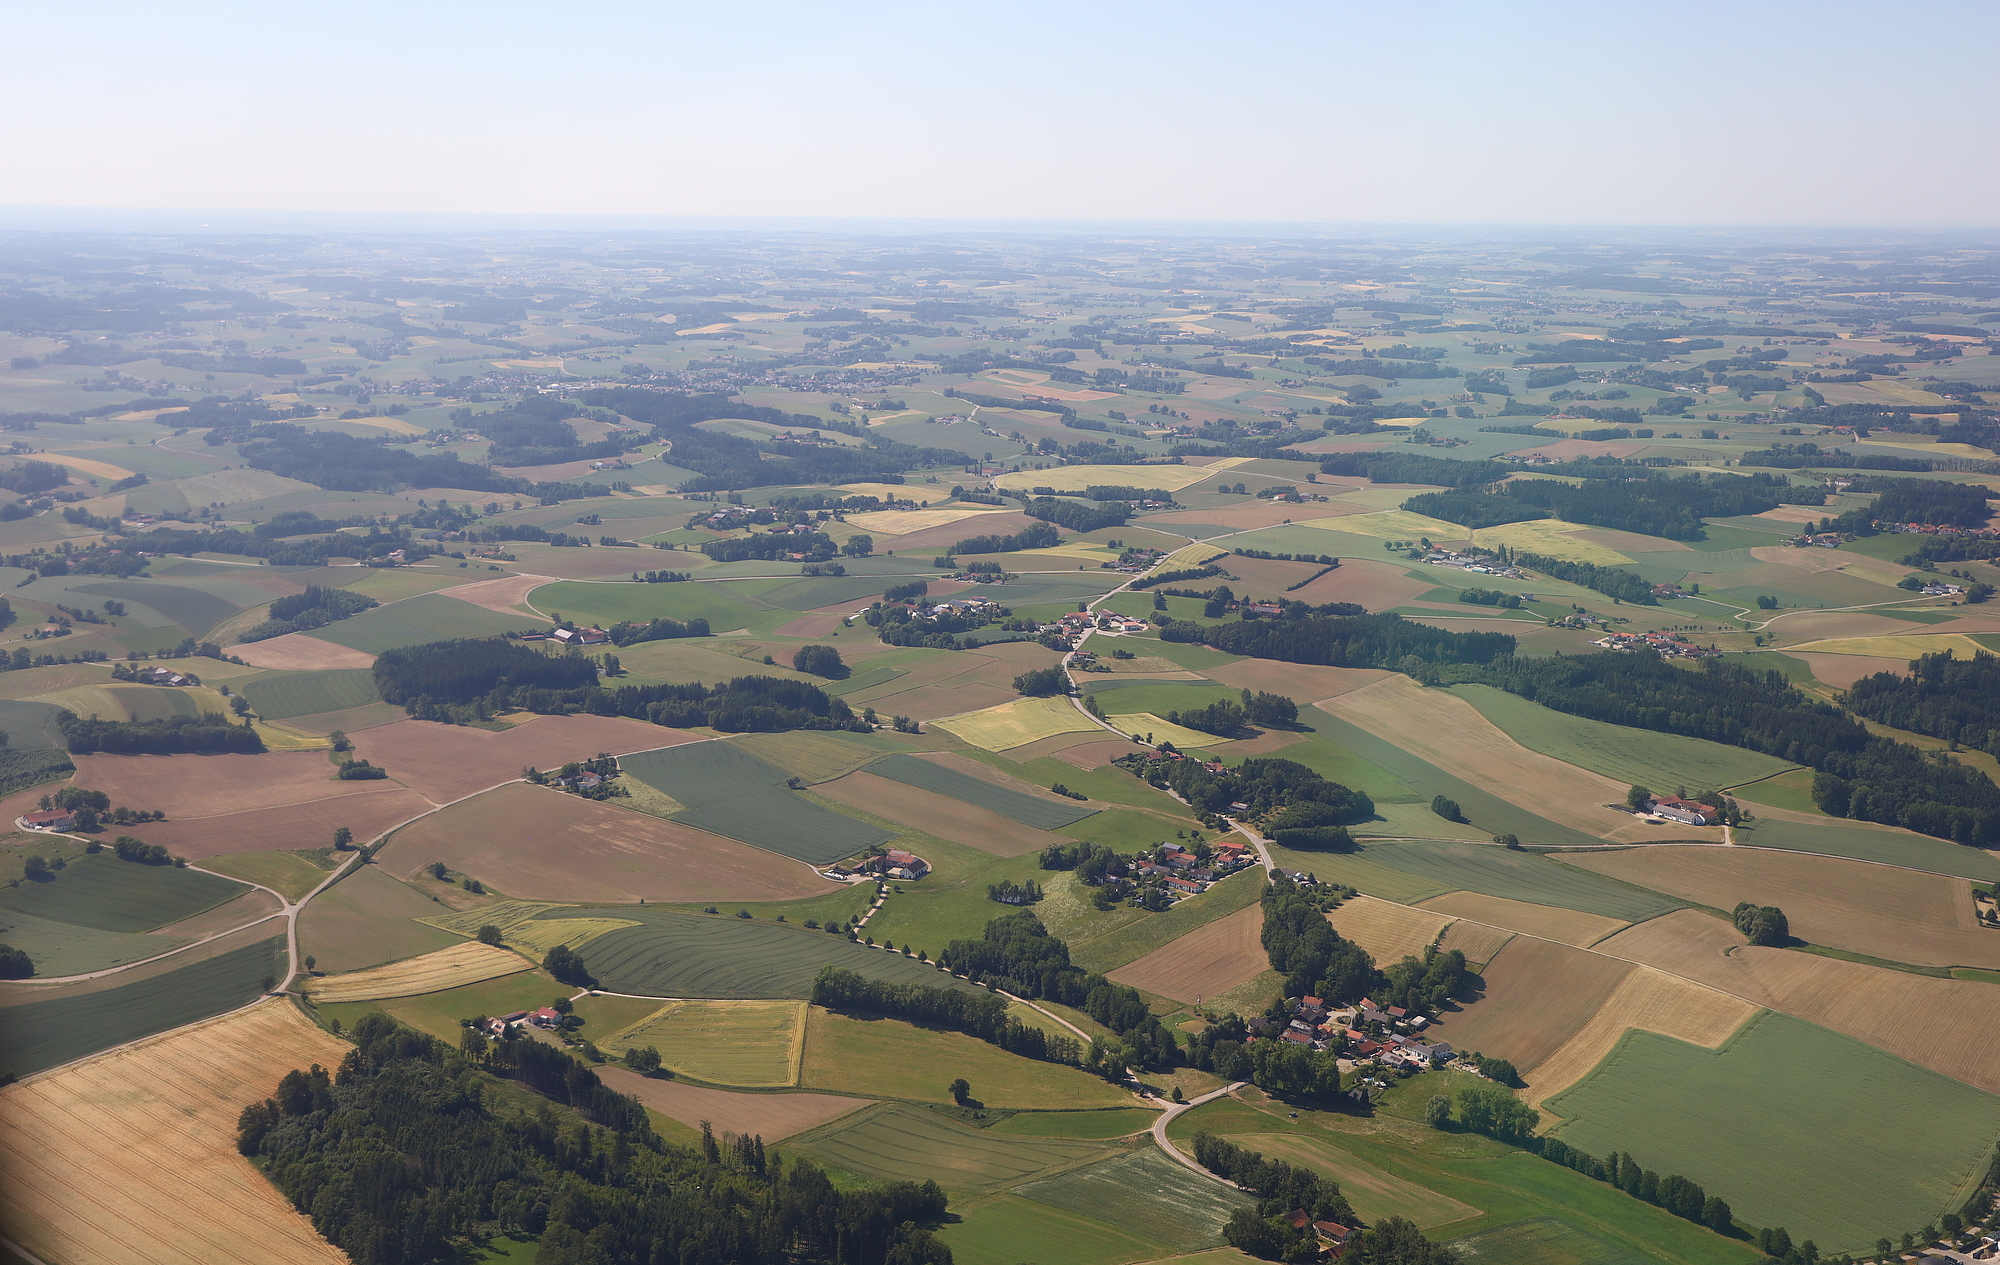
column 431, row 973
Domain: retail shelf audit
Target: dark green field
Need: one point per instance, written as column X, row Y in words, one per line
column 286, row 694
column 731, row 792
column 191, row 608
column 1515, row 875
column 931, row 776
column 46, row 1034
column 107, row 894
column 29, row 725
column 22, row 767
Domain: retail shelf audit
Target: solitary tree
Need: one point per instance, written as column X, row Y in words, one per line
column 1446, row 808
column 960, row 1091
column 1437, row 1112
column 343, row 837
column 311, row 961
column 644, row 1059
column 489, row 934
column 1638, row 799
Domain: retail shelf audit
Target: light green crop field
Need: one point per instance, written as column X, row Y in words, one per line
column 894, row 1142
column 724, row 606
column 814, row 756
column 108, row 894
column 1495, row 871
column 285, row 694
column 1157, row 697
column 1540, row 1241
column 928, row 775
column 1009, row 1229
column 753, row 1043
column 191, row 608
column 1145, row 1188
column 64, row 948
column 1863, row 842
column 688, row 955
column 430, row 617
column 878, row 1057
column 832, row 590
column 731, row 792
column 1114, row 1122
column 1619, row 751
column 1893, row 1145
column 286, row 872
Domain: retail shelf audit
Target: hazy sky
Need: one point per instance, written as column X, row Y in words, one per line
column 1542, row 111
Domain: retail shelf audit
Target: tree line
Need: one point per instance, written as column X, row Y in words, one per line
column 315, row 608
column 976, row 1013
column 1267, row 1231
column 210, row 733
column 1945, row 697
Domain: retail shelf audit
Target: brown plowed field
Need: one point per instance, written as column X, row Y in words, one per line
column 936, row 814
column 1901, row 915
column 130, row 1158
column 1450, row 733
column 812, row 627
column 773, row 1116
column 1203, row 963
column 1538, row 996
column 501, row 595
column 1945, row 1025
column 930, row 702
column 935, row 540
column 1303, row 682
column 448, row 762
column 301, row 651
column 1648, row 999
column 1842, row 670
column 538, row 844
column 368, row 810
column 466, row 963
column 1821, row 625
column 1566, row 926
column 1090, row 753
column 191, row 786
column 1390, row 932
column 1478, row 942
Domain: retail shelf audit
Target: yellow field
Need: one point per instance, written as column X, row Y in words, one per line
column 1392, row 525
column 903, row 522
column 1191, row 556
column 918, row 492
column 393, row 424
column 432, row 973
column 1904, row 648
column 1548, row 536
column 1565, row 926
column 1143, row 723
column 101, row 469
column 503, row 915
column 1652, row 1000
column 1479, row 943
column 130, row 1158
column 1013, row 724
column 1390, row 932
column 751, row 1043
column 1077, row 478
column 539, row 936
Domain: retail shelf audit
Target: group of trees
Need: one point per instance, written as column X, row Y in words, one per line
column 1041, row 682
column 1762, row 924
column 1033, row 536
column 1265, row 785
column 464, row 669
column 411, row 1146
column 1075, row 515
column 815, row 546
column 1225, row 717
column 659, row 628
column 1272, row 1231
column 1474, row 509
column 1613, row 582
column 1345, row 641
column 314, row 608
column 975, row 1012
column 210, row 733
column 1943, row 696
column 822, row 661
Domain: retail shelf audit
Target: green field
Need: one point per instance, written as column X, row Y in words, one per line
column 688, row 955
column 1114, row 1122
column 876, row 1057
column 731, row 792
column 930, row 776
column 833, row 590
column 894, row 1142
column 191, row 608
column 606, row 604
column 439, row 1013
column 1540, row 1241
column 1892, row 1145
column 45, row 1034
column 1007, row 1230
column 413, row 621
column 1157, row 697
column 286, row 694
column 28, row 726
column 1495, row 871
column 816, row 756
column 107, row 894
column 1863, row 842
column 1618, row 751
column 64, row 948
column 286, row 872
column 753, row 1043
column 1145, row 1188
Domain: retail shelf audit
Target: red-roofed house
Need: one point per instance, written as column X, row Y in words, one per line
column 52, row 819
column 546, row 1017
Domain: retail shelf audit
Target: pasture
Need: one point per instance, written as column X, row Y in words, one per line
column 284, row 872
column 872, row 1055
column 1782, row 1087
column 106, row 894
column 1375, row 1192
column 1540, row 1241
column 46, row 1032
column 1107, row 1122
column 1205, row 962
column 752, row 1043
column 415, row 620
column 725, row 607
column 895, row 1142
column 59, row 949
column 542, row 844
column 1565, row 926
column 1007, row 1229
column 466, row 963
column 1016, row 723
column 130, row 1159
column 982, row 787
column 282, row 695
column 1144, row 1188
column 730, row 792
column 1388, row 931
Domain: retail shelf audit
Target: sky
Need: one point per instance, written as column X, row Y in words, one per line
column 1766, row 112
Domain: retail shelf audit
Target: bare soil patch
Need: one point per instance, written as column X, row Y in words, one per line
column 501, row 595
column 1842, row 670
column 130, row 1158
column 187, row 787
column 1945, row 1025
column 301, row 651
column 1206, row 962
column 1648, row 999
column 773, row 1116
column 1538, row 996
column 1900, row 915
column 448, row 762
column 1390, row 932
column 936, row 814
column 1566, row 926
column 932, row 540
column 367, row 812
column 539, row 844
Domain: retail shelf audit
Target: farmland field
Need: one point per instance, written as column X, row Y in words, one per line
column 1007, row 1229
column 770, row 1116
column 1108, row 1122
column 1203, row 963
column 894, row 1142
column 605, row 604
column 1619, row 752
column 730, row 792
column 58, row 948
column 754, row 1043
column 816, row 757
column 107, row 894
column 1566, row 926
column 1790, row 1088
column 130, row 1159
column 308, row 824
column 285, row 872
column 448, row 762
column 1145, row 1188
column 366, row 919
column 1538, row 995
column 1374, row 1192
column 1129, row 941
column 1017, row 723
column 1389, row 932
column 415, row 620
column 1540, row 1241
column 282, row 695
column 197, row 786
column 868, row 1055
column 1645, row 999
column 935, row 814
column 466, row 963
column 941, row 778
column 686, row 955
column 1522, row 876
column 46, row 1032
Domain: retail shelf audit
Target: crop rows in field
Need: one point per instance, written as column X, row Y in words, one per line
column 285, row 694
column 754, row 1043
column 1523, row 876
column 413, row 621
column 730, row 792
column 1145, row 1188
column 941, row 779
column 899, row 1143
column 466, row 963
column 107, row 894
column 1539, row 1241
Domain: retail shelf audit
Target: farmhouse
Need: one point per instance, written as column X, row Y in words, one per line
column 52, row 819
column 161, row 676
column 579, row 636
column 1685, row 810
column 895, row 863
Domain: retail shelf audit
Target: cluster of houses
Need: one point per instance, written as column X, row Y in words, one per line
column 810, row 439
column 1668, row 644
column 1137, row 561
column 1183, row 874
column 1471, row 562
column 1077, row 623
column 893, row 863
column 544, row 1018
column 570, row 636
column 162, row 676
column 1398, row 1041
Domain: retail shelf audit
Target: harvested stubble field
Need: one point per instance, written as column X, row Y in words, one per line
column 1017, row 723
column 893, row 1142
column 1478, row 942
column 1089, row 753
column 466, row 963
column 1946, row 1025
column 130, row 1159
column 301, row 652
column 448, row 762
column 1205, row 962
column 1301, row 681
column 543, row 844
column 187, row 787
column 1145, row 1188
column 867, row 1054
column 363, row 808
column 687, row 955
column 1450, row 733
column 1538, row 995
column 1566, row 926
column 731, row 792
column 769, row 1116
column 1653, row 1001
column 366, row 919
column 107, row 894
column 751, row 1043
column 1841, row 671
column 939, row 815
column 501, row 595
column 1885, row 912
column 1388, row 931
column 1789, row 1088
